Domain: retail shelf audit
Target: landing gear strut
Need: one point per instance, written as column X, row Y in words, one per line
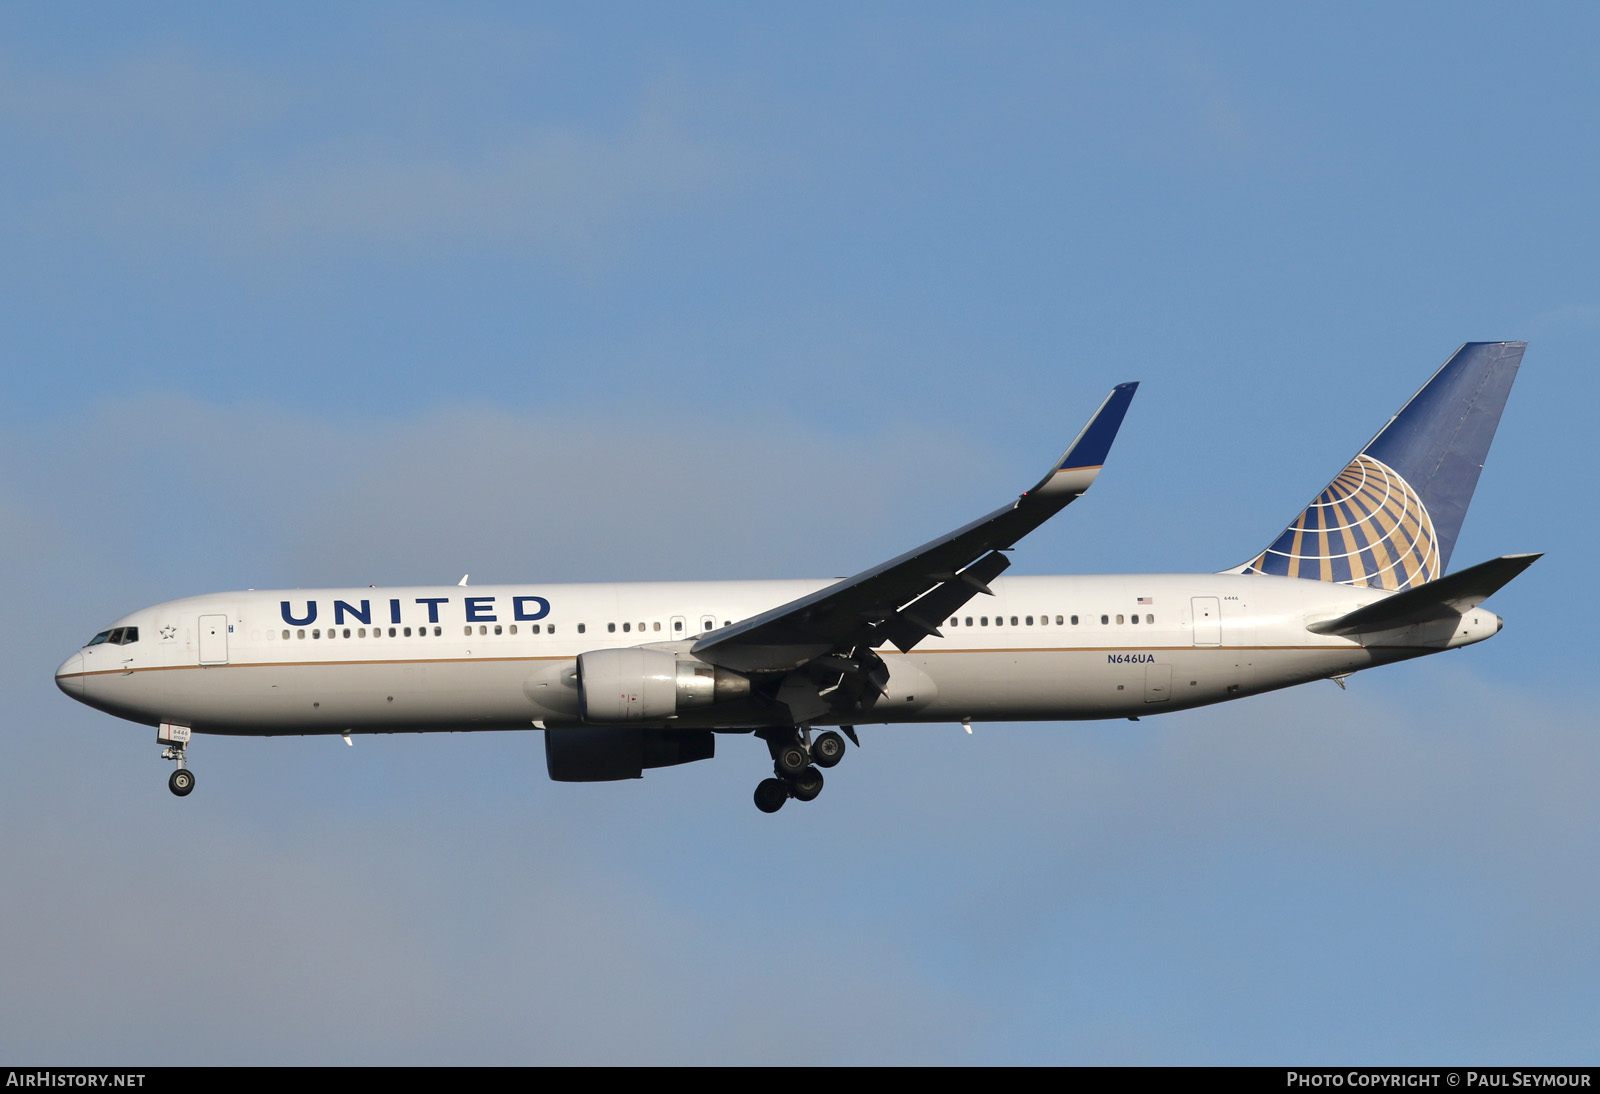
column 176, row 738
column 796, row 759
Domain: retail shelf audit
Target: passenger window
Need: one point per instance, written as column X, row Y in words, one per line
column 1119, row 620
column 408, row 632
column 391, row 632
column 437, row 631
column 1013, row 621
column 513, row 628
column 1149, row 619
column 969, row 620
column 1074, row 620
column 482, row 629
column 347, row 632
column 655, row 626
column 1135, row 618
column 1104, row 619
column 497, row 628
column 983, row 621
column 535, row 628
column 611, row 628
column 626, row 627
column 677, row 625
column 316, row 633
column 285, row 636
column 581, row 628
column 552, row 629
column 300, row 634
column 1029, row 621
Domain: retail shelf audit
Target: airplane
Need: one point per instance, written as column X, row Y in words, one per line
column 623, row 678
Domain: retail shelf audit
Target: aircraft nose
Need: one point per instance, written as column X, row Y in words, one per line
column 69, row 677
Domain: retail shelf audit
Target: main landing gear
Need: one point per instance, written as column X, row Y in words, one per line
column 176, row 738
column 796, row 760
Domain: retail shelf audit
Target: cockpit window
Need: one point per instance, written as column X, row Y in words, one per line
column 119, row 636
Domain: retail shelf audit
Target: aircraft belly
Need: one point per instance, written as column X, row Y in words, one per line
column 1033, row 685
column 266, row 699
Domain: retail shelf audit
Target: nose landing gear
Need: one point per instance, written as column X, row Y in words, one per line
column 176, row 738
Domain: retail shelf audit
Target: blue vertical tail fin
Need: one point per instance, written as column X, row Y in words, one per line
column 1391, row 518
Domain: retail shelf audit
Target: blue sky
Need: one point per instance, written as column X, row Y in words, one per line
column 389, row 293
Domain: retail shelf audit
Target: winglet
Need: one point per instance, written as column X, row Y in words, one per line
column 1081, row 462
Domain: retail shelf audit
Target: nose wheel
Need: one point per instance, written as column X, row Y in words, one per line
column 176, row 740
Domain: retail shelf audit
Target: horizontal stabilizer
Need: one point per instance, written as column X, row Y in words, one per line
column 1453, row 594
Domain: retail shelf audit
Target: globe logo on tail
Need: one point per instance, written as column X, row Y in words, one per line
column 1368, row 528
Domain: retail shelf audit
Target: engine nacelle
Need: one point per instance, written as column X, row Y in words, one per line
column 640, row 685
column 605, row 753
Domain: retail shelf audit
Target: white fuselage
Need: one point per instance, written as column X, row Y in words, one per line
column 503, row 657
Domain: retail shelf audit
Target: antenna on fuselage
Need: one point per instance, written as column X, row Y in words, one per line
column 463, row 580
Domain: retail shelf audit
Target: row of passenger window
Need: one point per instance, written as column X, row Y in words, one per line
column 357, row 632
column 406, row 632
column 401, row 632
column 124, row 635
column 706, row 624
column 1044, row 620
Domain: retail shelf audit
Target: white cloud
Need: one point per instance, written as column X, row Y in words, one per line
column 272, row 162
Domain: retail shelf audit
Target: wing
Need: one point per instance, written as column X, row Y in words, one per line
column 832, row 631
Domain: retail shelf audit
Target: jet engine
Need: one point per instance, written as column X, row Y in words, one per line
column 641, row 685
